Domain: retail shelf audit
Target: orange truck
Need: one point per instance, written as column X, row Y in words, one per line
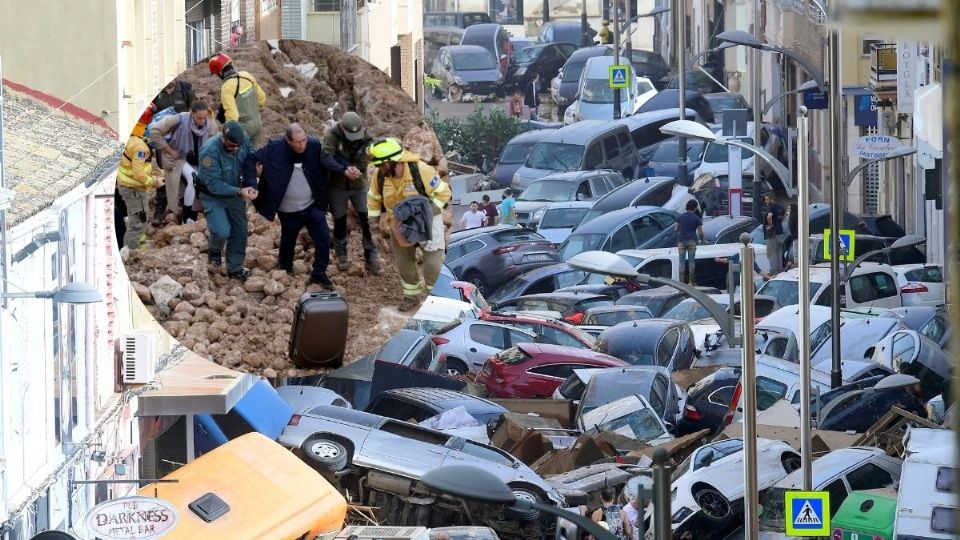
column 250, row 488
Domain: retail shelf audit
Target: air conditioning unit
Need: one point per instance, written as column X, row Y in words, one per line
column 384, row 533
column 139, row 356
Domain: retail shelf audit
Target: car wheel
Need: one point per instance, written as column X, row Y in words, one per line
column 477, row 281
column 791, row 462
column 713, row 504
column 454, row 93
column 456, row 367
column 525, row 494
column 326, row 453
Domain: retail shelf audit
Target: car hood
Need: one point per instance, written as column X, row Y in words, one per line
column 479, row 75
column 557, row 236
column 529, row 174
column 530, row 206
column 503, row 173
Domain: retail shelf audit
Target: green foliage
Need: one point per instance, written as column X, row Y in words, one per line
column 483, row 133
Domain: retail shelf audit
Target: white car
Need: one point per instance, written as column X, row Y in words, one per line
column 438, row 311
column 921, row 284
column 716, row 162
column 645, row 91
column 871, row 285
column 468, row 343
column 631, row 416
column 560, row 218
column 710, row 480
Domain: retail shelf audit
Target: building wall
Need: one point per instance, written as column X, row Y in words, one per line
column 324, row 28
column 270, row 20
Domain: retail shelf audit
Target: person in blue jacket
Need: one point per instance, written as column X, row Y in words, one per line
column 224, row 195
column 293, row 186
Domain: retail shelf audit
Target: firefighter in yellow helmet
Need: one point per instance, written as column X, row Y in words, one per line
column 241, row 97
column 413, row 196
column 135, row 184
column 605, row 34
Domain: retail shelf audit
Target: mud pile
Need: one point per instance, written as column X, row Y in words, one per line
column 246, row 325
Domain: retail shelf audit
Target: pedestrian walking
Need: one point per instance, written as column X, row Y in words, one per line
column 772, row 215
column 516, row 104
column 403, row 180
column 473, row 218
column 224, row 194
column 179, row 139
column 241, row 97
column 508, row 208
column 134, row 185
column 532, row 96
column 689, row 226
column 490, row 210
column 610, row 512
column 347, row 142
column 293, row 187
column 790, row 240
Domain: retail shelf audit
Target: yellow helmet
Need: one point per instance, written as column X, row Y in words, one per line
column 385, row 149
column 605, row 22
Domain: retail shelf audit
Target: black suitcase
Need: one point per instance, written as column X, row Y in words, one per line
column 319, row 334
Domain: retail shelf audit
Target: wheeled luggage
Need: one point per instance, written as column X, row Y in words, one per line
column 319, row 334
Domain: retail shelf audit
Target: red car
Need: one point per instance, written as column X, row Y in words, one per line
column 535, row 370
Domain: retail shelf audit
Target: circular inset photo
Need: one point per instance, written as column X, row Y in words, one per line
column 283, row 207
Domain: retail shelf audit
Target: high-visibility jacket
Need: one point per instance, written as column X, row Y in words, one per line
column 135, row 167
column 237, row 97
column 396, row 189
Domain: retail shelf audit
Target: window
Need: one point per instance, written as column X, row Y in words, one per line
column 934, row 329
column 556, row 337
column 721, row 396
column 668, row 343
column 559, row 371
column 615, row 181
column 326, row 5
column 868, row 476
column 866, row 41
column 657, row 195
column 658, row 394
column 599, row 186
column 658, row 268
column 410, row 431
column 777, row 348
column 594, row 158
column 665, row 219
column 903, row 348
column 583, row 191
column 644, row 229
column 567, row 279
column 517, row 336
column 232, row 424
column 489, row 335
column 454, row 252
column 945, row 477
column 400, row 410
column 626, row 144
column 827, row 296
column 838, row 493
column 941, row 519
column 820, row 334
column 610, row 147
column 486, row 453
column 768, row 392
column 533, row 304
column 870, row 287
column 424, row 356
column 621, row 240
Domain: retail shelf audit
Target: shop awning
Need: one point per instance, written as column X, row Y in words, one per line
column 195, row 386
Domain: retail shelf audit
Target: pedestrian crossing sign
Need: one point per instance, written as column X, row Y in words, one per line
column 619, row 75
column 848, row 244
column 808, row 513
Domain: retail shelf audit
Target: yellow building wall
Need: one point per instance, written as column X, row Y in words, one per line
column 324, row 27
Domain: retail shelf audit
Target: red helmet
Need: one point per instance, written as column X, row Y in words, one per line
column 218, row 62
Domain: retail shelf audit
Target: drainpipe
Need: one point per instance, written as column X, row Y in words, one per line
column 90, row 325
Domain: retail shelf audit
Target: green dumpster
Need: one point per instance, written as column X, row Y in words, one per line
column 866, row 515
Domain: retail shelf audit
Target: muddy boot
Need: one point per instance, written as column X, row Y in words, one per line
column 373, row 265
column 409, row 303
column 159, row 213
column 340, row 248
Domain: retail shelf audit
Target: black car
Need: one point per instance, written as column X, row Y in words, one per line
column 866, row 243
column 670, row 98
column 859, row 410
column 570, row 305
column 466, row 69
column 819, row 218
column 659, row 300
column 650, row 65
column 651, row 342
column 614, row 290
column 541, row 280
column 490, row 258
column 515, row 154
column 708, row 401
column 567, row 83
column 882, row 225
column 420, row 404
column 712, row 191
column 697, row 81
column 727, row 229
column 637, row 227
column 564, row 32
column 819, row 403
column 662, row 158
column 650, row 191
column 543, row 59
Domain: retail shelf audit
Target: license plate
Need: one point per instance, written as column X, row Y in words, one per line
column 537, row 257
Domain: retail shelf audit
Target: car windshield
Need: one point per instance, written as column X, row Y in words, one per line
column 609, row 389
column 473, row 61
column 722, row 103
column 599, row 91
column 516, row 153
column 628, row 417
column 786, row 291
column 771, row 518
column 548, row 191
column 571, row 72
column 719, row 153
column 669, row 150
column 646, row 57
column 508, row 290
column 612, row 318
column 590, row 216
column 562, row 218
column 528, row 54
column 578, row 243
column 555, row 156
column 688, row 311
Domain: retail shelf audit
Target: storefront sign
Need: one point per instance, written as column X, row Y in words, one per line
column 906, row 75
column 876, row 146
column 131, row 518
column 865, row 110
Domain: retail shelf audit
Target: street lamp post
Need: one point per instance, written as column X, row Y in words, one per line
column 751, row 518
column 616, row 59
column 803, row 256
column 71, row 293
column 896, row 153
column 682, row 174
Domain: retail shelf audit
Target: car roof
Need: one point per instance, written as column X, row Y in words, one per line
column 460, row 236
column 561, row 295
column 463, row 49
column 703, row 251
column 579, row 175
column 570, row 204
column 820, row 273
column 581, row 55
column 444, row 398
column 644, row 332
column 622, row 196
column 830, row 465
column 663, row 290
column 598, row 66
column 643, row 374
column 534, row 349
column 788, row 317
column 721, row 223
column 641, row 119
column 607, row 222
column 580, row 132
column 534, row 135
column 481, row 28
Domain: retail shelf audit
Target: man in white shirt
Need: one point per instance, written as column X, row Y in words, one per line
column 474, row 218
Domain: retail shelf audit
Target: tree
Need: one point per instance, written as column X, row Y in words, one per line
column 483, row 133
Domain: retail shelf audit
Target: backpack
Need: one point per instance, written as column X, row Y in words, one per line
column 611, row 514
column 166, row 113
column 417, row 183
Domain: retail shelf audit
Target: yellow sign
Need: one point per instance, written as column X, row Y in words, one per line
column 848, row 244
column 807, row 513
column 619, row 75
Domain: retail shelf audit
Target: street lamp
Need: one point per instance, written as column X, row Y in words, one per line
column 896, row 153
column 739, row 37
column 71, row 293
column 809, row 85
column 477, row 484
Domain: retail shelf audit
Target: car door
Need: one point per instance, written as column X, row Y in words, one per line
column 467, row 255
column 483, row 341
column 542, row 380
column 404, row 448
column 621, row 239
column 645, row 230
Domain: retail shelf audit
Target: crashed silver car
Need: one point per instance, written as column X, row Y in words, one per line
column 381, row 460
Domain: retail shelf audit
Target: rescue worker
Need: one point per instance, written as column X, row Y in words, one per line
column 402, row 175
column 179, row 95
column 135, row 184
column 225, row 195
column 187, row 132
column 347, row 142
column 241, row 97
column 605, row 35
column 294, row 188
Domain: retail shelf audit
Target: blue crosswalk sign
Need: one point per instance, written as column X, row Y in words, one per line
column 848, row 244
column 619, row 75
column 808, row 513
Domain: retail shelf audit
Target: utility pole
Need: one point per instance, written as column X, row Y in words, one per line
column 661, row 496
column 836, row 204
column 803, row 233
column 627, row 16
column 757, row 106
column 616, row 57
column 546, row 11
column 683, row 177
column 751, row 515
